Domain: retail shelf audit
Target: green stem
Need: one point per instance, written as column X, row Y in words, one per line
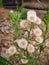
column 45, row 33
column 28, row 34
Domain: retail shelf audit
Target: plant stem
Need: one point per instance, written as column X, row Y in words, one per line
column 45, row 33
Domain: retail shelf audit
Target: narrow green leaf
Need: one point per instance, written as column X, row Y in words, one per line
column 46, row 19
column 15, row 22
column 22, row 11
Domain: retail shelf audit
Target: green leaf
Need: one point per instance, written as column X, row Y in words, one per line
column 20, row 8
column 46, row 19
column 1, row 4
column 22, row 11
column 41, row 47
column 15, row 18
column 23, row 16
column 15, row 21
column 3, row 61
column 14, row 59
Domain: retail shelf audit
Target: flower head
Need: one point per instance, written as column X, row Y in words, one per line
column 24, row 61
column 22, row 43
column 23, row 23
column 38, row 21
column 30, row 12
column 12, row 50
column 37, row 31
column 39, row 39
column 31, row 16
column 30, row 48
